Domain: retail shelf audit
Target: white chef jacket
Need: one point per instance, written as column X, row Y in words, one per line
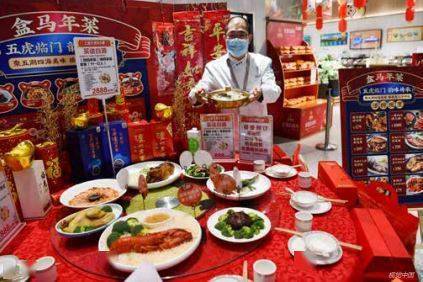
column 217, row 75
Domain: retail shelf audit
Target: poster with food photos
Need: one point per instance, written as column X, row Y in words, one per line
column 382, row 128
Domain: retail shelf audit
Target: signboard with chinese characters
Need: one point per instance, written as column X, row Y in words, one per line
column 217, row 135
column 382, row 135
column 38, row 58
column 256, row 138
column 97, row 67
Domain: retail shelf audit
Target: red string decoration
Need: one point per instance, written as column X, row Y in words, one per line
column 319, row 17
column 409, row 12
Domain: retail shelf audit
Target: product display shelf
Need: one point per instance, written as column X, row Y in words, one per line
column 296, row 121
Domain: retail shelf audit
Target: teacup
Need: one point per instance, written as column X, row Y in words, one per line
column 304, row 199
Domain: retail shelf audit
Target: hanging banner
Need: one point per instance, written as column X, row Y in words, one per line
column 214, row 24
column 217, row 135
column 97, row 67
column 256, row 138
column 164, row 58
column 383, row 134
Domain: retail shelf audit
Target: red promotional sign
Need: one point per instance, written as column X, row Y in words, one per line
column 284, row 34
column 214, row 23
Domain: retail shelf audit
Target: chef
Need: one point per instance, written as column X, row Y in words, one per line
column 241, row 70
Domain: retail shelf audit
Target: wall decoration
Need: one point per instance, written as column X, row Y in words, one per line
column 405, row 34
column 366, row 39
column 333, row 39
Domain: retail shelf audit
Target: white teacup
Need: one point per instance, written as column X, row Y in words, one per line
column 304, row 199
column 304, row 179
column 264, row 271
column 44, row 269
column 303, row 221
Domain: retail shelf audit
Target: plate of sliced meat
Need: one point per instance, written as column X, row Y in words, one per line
column 162, row 237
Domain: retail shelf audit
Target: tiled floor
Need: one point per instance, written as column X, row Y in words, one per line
column 309, row 152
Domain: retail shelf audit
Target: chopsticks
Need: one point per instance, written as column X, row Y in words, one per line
column 245, row 271
column 343, row 244
column 335, row 201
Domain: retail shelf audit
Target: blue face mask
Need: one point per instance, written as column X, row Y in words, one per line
column 237, row 47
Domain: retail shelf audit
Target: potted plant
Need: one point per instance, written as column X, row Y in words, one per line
column 328, row 75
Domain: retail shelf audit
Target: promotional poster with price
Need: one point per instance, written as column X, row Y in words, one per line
column 382, row 128
column 97, row 67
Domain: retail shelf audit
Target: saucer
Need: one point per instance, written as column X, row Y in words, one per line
column 318, row 208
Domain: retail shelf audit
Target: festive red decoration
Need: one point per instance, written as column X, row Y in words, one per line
column 409, row 14
column 360, row 3
column 304, row 9
column 343, row 11
column 410, row 3
column 342, row 25
column 319, row 11
column 319, row 23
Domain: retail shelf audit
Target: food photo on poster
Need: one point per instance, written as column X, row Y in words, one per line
column 211, row 140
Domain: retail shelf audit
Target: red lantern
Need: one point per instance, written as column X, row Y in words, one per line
column 319, row 23
column 410, row 3
column 343, row 11
column 409, row 14
column 304, row 9
column 319, row 11
column 342, row 25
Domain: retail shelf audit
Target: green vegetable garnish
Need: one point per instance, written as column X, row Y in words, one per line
column 132, row 221
column 136, row 230
column 112, row 237
column 121, row 227
column 106, row 209
column 246, row 232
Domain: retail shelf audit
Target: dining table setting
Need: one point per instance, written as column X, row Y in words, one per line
column 196, row 220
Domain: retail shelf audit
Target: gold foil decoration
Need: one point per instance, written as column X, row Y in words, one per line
column 20, row 157
column 80, row 122
column 16, row 130
column 163, row 112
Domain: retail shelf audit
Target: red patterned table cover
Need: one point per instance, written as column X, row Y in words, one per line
column 34, row 242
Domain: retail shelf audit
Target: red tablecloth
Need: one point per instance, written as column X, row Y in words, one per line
column 34, row 242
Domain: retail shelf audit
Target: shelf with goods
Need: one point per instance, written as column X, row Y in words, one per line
column 298, row 111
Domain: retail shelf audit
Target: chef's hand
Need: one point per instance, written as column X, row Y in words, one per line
column 200, row 97
column 255, row 94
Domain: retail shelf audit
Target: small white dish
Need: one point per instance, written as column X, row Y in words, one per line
column 77, row 189
column 214, row 218
column 262, row 185
column 116, row 209
column 318, row 208
column 227, row 278
column 285, row 171
column 304, row 199
column 296, row 244
column 155, row 225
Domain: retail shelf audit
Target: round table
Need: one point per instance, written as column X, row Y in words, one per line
column 34, row 242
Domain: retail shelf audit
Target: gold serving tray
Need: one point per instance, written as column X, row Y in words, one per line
column 228, row 102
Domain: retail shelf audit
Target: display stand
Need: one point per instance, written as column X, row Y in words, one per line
column 327, row 146
column 302, row 119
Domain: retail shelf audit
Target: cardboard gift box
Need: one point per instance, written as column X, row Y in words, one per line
column 84, row 147
column 120, row 147
column 334, row 176
column 383, row 254
column 33, row 191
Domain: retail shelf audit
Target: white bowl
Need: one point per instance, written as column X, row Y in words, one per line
column 320, row 244
column 304, row 199
column 155, row 225
column 281, row 170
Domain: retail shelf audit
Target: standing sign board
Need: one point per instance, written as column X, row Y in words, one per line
column 256, row 138
column 97, row 67
column 382, row 132
column 217, row 135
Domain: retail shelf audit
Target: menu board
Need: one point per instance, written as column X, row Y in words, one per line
column 256, row 138
column 97, row 67
column 365, row 39
column 382, row 135
column 217, row 135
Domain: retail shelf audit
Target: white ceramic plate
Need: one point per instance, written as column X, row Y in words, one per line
column 227, row 278
column 296, row 244
column 200, row 178
column 262, row 185
column 116, row 210
column 172, row 259
column 415, row 135
column 134, row 172
column 75, row 190
column 292, row 172
column 214, row 218
column 407, row 184
column 319, row 208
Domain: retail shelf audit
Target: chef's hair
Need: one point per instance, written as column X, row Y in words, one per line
column 239, row 17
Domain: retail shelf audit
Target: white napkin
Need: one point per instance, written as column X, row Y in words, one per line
column 146, row 272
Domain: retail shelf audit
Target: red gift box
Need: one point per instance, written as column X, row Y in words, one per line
column 333, row 175
column 140, row 141
column 383, row 256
